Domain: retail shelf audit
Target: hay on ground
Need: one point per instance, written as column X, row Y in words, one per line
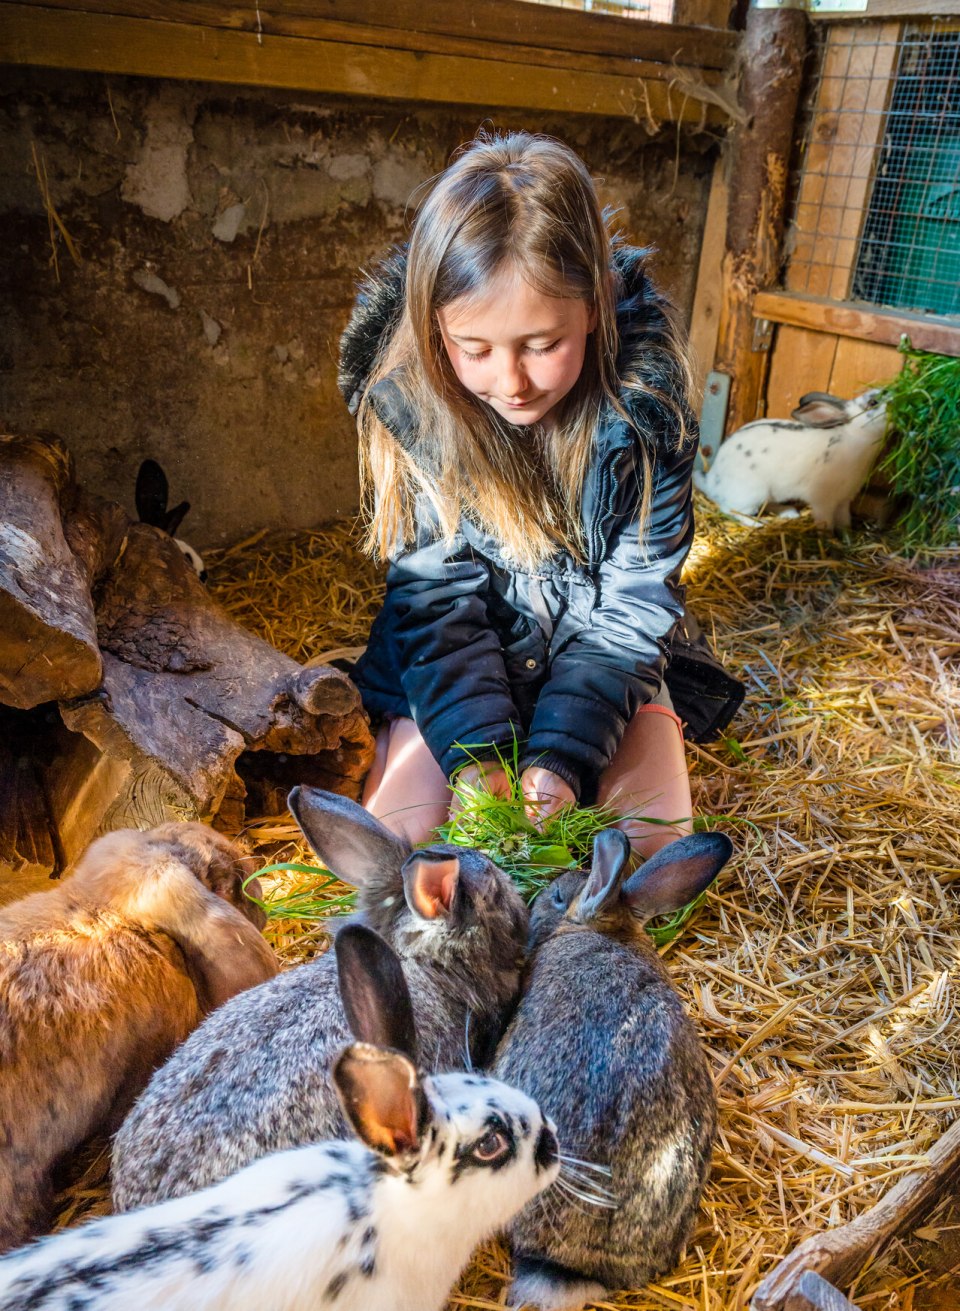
column 824, row 971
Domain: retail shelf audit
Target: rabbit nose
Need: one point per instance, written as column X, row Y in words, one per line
column 547, row 1151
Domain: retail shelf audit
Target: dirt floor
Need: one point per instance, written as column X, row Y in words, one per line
column 824, row 971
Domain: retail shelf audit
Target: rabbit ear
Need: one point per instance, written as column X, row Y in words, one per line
column 820, row 410
column 151, row 494
column 611, row 856
column 382, row 1098
column 676, row 874
column 374, row 991
column 348, row 839
column 430, row 883
column 175, row 517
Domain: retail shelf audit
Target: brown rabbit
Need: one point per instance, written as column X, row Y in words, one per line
column 100, row 978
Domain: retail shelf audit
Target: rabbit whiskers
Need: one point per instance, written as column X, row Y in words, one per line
column 583, row 1180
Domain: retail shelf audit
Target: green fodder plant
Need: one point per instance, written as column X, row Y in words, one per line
column 923, row 454
column 532, row 854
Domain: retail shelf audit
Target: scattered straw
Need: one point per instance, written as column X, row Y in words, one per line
column 824, row 971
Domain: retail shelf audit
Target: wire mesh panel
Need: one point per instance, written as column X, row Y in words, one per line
column 877, row 211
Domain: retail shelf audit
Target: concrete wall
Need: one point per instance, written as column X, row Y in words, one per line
column 219, row 234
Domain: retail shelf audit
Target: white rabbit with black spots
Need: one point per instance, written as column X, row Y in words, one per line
column 822, row 459
column 151, row 496
column 385, row 1224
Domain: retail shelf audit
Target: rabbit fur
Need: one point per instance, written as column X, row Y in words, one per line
column 600, row 1039
column 256, row 1077
column 100, row 978
column 822, row 459
column 385, row 1224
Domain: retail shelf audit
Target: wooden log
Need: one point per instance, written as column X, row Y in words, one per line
column 814, row 1293
column 839, row 1254
column 48, row 636
column 186, row 691
column 771, row 62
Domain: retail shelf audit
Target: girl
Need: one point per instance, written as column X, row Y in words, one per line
column 526, row 450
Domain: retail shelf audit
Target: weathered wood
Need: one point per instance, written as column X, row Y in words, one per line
column 926, row 331
column 186, row 690
column 771, row 62
column 814, row 1293
column 482, row 43
column 498, row 23
column 839, row 1254
column 59, row 38
column 705, row 319
column 48, row 637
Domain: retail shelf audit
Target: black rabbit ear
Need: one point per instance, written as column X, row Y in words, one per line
column 175, row 517
column 151, row 494
column 430, row 883
column 349, row 841
column 611, row 857
column 382, row 1098
column 374, row 991
column 676, row 874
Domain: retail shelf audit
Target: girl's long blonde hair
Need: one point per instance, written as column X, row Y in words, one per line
column 528, row 203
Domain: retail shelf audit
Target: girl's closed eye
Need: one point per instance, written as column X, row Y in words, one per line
column 544, row 350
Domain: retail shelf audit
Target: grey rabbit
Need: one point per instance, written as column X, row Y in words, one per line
column 601, row 1040
column 384, row 1224
column 256, row 1079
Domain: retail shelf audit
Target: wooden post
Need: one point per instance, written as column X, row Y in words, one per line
column 771, row 62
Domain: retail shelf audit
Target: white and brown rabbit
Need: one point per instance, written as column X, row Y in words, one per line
column 602, row 1042
column 255, row 1078
column 385, row 1224
column 100, row 978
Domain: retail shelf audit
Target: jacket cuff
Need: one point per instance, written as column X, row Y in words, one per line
column 557, row 764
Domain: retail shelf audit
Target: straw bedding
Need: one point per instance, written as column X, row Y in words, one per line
column 824, row 971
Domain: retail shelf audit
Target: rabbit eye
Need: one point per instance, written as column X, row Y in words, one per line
column 491, row 1146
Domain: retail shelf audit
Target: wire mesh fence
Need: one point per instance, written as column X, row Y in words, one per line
column 876, row 215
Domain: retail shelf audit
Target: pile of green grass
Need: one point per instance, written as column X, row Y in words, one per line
column 532, row 855
column 923, row 457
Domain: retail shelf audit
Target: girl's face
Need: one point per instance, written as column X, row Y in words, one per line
column 516, row 349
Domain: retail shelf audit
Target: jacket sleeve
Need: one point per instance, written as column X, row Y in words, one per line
column 615, row 663
column 451, row 661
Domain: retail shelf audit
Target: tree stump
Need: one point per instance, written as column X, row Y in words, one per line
column 181, row 712
column 48, row 636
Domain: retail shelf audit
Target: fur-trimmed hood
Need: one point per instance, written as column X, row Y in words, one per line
column 650, row 347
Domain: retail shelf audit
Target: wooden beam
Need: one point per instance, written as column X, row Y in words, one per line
column 63, row 38
column 772, row 58
column 928, row 332
column 496, row 22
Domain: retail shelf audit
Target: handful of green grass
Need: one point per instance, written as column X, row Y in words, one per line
column 499, row 827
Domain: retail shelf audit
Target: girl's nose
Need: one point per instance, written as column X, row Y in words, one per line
column 513, row 380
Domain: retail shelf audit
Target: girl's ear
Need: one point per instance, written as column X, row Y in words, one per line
column 592, row 320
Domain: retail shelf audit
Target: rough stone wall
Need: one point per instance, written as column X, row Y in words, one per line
column 219, row 233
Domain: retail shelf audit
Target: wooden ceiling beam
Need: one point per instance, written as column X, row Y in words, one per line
column 64, row 35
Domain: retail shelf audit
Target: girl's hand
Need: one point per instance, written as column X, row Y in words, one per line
column 544, row 793
column 487, row 775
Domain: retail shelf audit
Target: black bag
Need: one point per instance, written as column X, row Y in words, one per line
column 704, row 695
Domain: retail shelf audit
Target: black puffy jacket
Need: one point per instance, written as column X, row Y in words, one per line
column 479, row 652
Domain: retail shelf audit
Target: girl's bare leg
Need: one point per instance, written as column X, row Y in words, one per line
column 406, row 788
column 648, row 774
